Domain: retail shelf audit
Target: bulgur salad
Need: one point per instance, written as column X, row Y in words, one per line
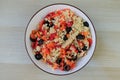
column 60, row 39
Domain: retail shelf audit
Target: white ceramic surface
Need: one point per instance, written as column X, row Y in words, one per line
column 32, row 25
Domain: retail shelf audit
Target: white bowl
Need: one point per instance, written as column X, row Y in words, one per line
column 38, row 16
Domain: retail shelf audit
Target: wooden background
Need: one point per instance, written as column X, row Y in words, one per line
column 15, row 63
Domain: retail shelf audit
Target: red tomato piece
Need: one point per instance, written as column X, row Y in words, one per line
column 90, row 41
column 59, row 12
column 81, row 44
column 44, row 32
column 58, row 46
column 69, row 24
column 52, row 36
column 49, row 62
column 34, row 44
column 55, row 27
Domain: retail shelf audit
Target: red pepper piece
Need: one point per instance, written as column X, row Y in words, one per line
column 34, row 44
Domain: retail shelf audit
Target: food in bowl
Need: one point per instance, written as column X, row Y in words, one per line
column 60, row 39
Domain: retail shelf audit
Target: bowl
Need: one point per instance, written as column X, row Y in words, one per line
column 38, row 16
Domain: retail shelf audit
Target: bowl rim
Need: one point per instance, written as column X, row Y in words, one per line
column 46, row 7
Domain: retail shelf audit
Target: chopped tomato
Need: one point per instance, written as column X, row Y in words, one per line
column 44, row 32
column 72, row 65
column 58, row 46
column 67, row 47
column 62, row 65
column 52, row 36
column 34, row 44
column 69, row 24
column 62, row 27
column 55, row 27
column 81, row 44
column 44, row 38
column 32, row 36
column 90, row 41
column 55, row 15
column 34, row 31
column 50, row 63
column 59, row 12
column 62, row 51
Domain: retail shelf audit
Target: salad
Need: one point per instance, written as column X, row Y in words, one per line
column 60, row 39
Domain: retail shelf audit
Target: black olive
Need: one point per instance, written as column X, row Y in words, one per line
column 84, row 48
column 74, row 58
column 68, row 58
column 68, row 29
column 80, row 36
column 38, row 56
column 59, row 60
column 40, row 42
column 46, row 22
column 67, row 67
column 86, row 24
column 50, row 24
column 65, row 38
column 79, row 51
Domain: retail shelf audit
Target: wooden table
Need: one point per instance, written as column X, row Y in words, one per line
column 15, row 63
